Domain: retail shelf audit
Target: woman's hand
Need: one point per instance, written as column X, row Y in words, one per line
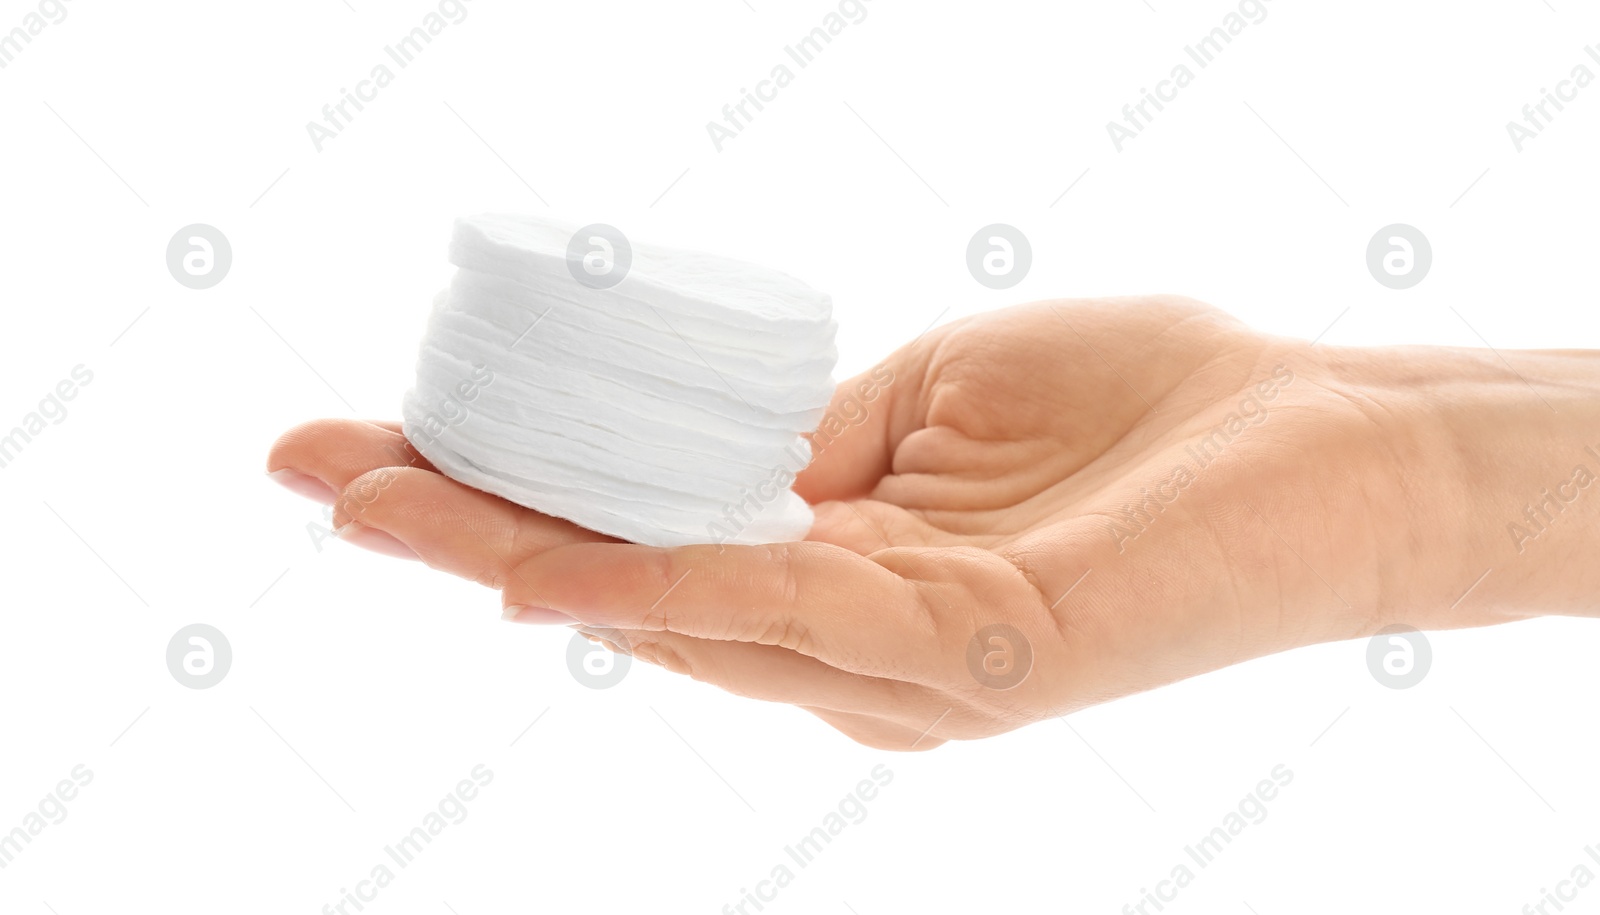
column 1034, row 510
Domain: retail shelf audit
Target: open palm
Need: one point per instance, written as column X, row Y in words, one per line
column 1029, row 511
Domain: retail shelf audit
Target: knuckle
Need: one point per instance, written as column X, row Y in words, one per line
column 491, row 576
column 661, row 571
column 668, row 656
column 364, row 491
column 787, row 632
column 1026, row 565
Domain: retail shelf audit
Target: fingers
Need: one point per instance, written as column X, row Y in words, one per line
column 773, row 674
column 452, row 527
column 864, row 728
column 334, row 452
column 882, row 714
column 303, row 485
column 387, row 498
column 817, row 599
column 377, row 541
column 867, row 525
column 875, row 732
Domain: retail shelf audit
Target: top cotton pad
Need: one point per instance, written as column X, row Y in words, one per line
column 664, row 408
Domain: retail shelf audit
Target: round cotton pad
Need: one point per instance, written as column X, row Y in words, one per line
column 666, row 408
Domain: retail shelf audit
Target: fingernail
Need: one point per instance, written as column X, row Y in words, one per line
column 538, row 616
column 301, row 484
column 377, row 541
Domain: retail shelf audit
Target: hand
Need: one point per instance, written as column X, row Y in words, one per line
column 1038, row 509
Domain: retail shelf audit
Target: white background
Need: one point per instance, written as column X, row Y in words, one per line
column 363, row 688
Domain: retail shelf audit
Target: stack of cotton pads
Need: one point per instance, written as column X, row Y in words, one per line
column 666, row 407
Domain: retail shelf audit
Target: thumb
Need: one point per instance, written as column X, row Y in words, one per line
column 853, row 446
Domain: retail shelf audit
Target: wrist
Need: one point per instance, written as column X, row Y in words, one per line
column 1498, row 458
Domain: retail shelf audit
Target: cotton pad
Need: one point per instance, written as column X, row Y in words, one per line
column 667, row 408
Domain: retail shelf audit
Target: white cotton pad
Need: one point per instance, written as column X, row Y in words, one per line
column 666, row 409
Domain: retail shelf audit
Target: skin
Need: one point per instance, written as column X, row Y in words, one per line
column 993, row 482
